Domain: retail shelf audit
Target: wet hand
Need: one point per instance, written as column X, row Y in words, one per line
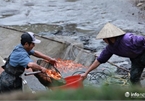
column 84, row 76
column 43, row 70
column 53, row 61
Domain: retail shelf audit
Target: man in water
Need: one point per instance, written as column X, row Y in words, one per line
column 19, row 60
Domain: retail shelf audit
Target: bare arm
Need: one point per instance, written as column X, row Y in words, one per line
column 45, row 57
column 41, row 55
column 93, row 66
column 35, row 66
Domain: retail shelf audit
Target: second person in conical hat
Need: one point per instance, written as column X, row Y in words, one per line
column 109, row 31
column 124, row 45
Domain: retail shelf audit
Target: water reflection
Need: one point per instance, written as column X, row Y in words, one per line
column 7, row 13
column 37, row 28
column 71, row 0
column 67, row 29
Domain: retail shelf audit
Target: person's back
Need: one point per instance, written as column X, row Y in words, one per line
column 121, row 44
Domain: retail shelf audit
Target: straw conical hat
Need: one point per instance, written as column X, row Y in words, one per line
column 108, row 31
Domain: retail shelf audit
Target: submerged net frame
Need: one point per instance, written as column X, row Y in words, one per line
column 105, row 77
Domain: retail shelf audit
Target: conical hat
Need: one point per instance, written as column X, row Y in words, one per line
column 108, row 31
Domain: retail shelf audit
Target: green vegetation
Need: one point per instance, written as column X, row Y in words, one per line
column 92, row 93
column 87, row 93
column 114, row 87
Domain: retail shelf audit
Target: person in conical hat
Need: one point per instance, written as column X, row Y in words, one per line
column 109, row 31
column 124, row 45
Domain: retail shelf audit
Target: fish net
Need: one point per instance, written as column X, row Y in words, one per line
column 78, row 55
column 52, row 77
column 67, row 52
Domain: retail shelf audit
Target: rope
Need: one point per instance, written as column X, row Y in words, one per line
column 117, row 66
column 11, row 28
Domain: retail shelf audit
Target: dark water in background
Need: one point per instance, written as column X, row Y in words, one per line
column 87, row 16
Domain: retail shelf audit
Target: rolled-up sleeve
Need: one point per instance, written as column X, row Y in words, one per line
column 104, row 56
column 31, row 52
